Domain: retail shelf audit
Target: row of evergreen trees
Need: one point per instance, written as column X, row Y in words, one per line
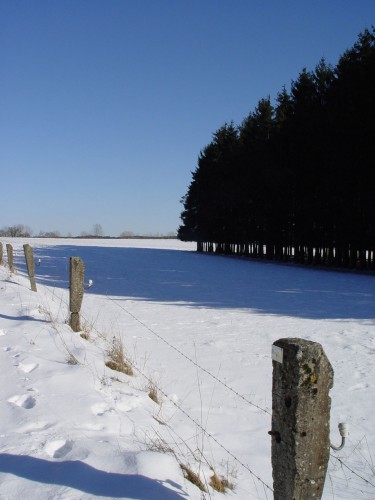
column 296, row 180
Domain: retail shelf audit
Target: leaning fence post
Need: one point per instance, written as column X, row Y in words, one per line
column 302, row 378
column 28, row 251
column 77, row 274
column 10, row 257
column 1, row 254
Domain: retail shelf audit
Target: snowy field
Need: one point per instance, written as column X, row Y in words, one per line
column 198, row 329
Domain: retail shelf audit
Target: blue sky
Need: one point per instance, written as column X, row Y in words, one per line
column 106, row 104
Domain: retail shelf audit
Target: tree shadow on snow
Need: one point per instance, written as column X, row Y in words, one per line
column 22, row 318
column 201, row 280
column 83, row 477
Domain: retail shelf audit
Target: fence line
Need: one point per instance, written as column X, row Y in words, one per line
column 265, row 485
column 224, row 384
column 184, row 412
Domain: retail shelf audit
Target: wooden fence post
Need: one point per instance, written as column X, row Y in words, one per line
column 302, row 378
column 10, row 257
column 1, row 254
column 77, row 275
column 28, row 251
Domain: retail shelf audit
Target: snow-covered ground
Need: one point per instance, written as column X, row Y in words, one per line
column 199, row 329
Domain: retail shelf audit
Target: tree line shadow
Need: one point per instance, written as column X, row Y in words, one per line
column 201, row 280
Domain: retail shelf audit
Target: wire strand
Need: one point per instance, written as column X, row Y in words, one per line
column 351, row 470
column 199, row 426
column 190, row 360
column 196, row 423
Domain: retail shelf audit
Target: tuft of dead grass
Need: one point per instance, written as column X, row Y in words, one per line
column 159, row 420
column 70, row 358
column 220, row 484
column 117, row 360
column 153, row 393
column 86, row 328
column 192, row 477
column 159, row 444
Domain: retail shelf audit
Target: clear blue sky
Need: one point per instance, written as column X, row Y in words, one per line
column 106, row 104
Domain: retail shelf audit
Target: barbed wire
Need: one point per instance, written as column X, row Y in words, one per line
column 351, row 470
column 241, row 396
column 190, row 360
column 184, row 412
column 196, row 423
column 199, row 426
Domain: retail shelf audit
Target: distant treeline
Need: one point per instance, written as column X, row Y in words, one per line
column 296, row 180
column 22, row 231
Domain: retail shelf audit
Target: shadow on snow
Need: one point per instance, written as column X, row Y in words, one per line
column 22, row 318
column 200, row 280
column 83, row 477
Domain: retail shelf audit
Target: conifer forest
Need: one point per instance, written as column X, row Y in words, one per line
column 295, row 181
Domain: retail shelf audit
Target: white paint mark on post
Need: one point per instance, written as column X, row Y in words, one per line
column 277, row 354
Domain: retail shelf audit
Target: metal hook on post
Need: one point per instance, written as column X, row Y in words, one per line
column 89, row 284
column 344, row 433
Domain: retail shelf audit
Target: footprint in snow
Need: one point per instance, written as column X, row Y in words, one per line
column 27, row 367
column 23, row 401
column 58, row 448
column 100, row 409
column 128, row 405
column 30, row 427
column 91, row 426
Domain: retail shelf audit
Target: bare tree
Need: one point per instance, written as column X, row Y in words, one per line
column 17, row 231
column 49, row 234
column 126, row 234
column 97, row 230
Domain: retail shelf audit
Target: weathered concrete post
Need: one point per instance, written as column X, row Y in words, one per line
column 302, row 378
column 77, row 275
column 1, row 254
column 28, row 251
column 10, row 258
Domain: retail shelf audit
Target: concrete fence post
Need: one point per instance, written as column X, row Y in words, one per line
column 1, row 254
column 302, row 378
column 28, row 251
column 10, row 257
column 77, row 276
